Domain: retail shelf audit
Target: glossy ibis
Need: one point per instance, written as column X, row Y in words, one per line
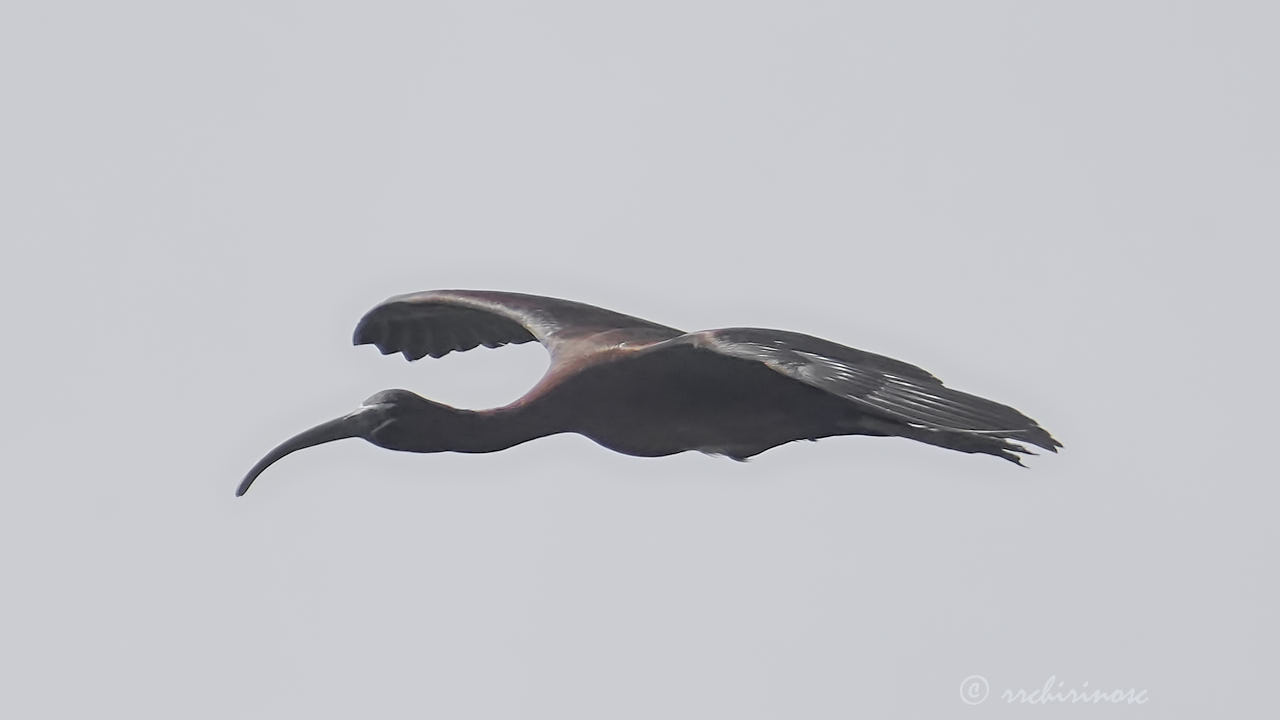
column 645, row 389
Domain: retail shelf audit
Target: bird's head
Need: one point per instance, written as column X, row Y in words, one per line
column 393, row 419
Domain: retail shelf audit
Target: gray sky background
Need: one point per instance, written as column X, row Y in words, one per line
column 1068, row 207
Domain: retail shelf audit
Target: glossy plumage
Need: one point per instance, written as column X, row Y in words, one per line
column 646, row 389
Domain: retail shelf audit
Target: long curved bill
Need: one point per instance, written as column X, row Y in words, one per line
column 347, row 426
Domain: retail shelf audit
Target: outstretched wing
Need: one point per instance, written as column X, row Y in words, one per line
column 437, row 322
column 879, row 384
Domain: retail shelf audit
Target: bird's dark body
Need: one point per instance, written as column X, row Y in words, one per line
column 648, row 390
column 672, row 399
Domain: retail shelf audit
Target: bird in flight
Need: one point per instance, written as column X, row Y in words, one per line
column 644, row 389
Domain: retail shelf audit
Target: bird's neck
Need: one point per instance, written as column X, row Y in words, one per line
column 473, row 431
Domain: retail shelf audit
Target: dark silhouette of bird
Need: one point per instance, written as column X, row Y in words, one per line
column 645, row 389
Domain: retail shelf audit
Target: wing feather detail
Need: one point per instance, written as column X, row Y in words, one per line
column 889, row 387
column 438, row 322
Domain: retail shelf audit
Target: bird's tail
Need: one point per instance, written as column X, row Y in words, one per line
column 996, row 443
column 969, row 442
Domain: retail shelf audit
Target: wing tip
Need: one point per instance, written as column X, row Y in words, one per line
column 364, row 334
column 1039, row 437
